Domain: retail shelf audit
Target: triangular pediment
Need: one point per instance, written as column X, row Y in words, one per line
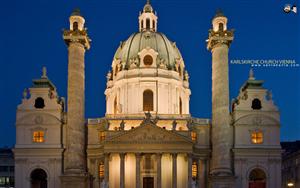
column 149, row 134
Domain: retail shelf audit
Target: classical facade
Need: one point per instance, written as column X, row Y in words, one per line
column 147, row 138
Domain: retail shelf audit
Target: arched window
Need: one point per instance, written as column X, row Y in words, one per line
column 39, row 103
column 221, row 27
column 38, row 178
column 142, row 24
column 153, row 24
column 115, row 105
column 256, row 104
column 180, row 105
column 148, row 24
column 257, row 178
column 75, row 26
column 148, row 100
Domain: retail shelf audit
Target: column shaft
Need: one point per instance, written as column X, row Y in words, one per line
column 137, row 170
column 122, row 170
column 158, row 161
column 75, row 162
column 106, row 168
column 190, row 178
column 201, row 173
column 174, row 170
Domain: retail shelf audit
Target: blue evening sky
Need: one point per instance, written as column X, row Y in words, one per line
column 31, row 37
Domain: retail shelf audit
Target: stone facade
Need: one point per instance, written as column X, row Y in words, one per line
column 148, row 137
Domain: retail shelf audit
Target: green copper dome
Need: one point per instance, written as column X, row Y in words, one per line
column 167, row 51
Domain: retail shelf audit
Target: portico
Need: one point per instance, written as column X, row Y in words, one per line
column 148, row 156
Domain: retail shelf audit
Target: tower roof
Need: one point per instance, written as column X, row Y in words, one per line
column 43, row 82
column 76, row 12
column 252, row 83
column 219, row 13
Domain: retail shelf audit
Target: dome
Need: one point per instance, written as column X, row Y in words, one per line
column 167, row 52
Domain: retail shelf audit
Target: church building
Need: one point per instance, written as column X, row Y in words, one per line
column 147, row 138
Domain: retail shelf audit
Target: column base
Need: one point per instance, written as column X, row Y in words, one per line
column 76, row 181
column 222, row 181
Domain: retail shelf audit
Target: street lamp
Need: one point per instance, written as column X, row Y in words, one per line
column 290, row 184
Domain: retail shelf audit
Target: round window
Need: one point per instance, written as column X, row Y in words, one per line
column 148, row 60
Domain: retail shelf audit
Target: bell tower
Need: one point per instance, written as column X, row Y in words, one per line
column 218, row 43
column 77, row 40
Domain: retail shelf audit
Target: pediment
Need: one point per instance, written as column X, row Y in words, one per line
column 149, row 134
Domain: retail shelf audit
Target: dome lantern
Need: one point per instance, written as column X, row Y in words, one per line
column 148, row 19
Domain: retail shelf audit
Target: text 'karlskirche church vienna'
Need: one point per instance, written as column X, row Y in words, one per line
column 147, row 138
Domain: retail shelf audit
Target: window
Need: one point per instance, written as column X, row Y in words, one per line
column 39, row 103
column 256, row 104
column 115, row 105
column 221, row 27
column 194, row 136
column 148, row 24
column 75, row 26
column 194, row 170
column 101, row 135
column 101, row 170
column 38, row 136
column 142, row 24
column 257, row 137
column 2, row 181
column 148, row 60
column 153, row 24
column 180, row 105
column 148, row 100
